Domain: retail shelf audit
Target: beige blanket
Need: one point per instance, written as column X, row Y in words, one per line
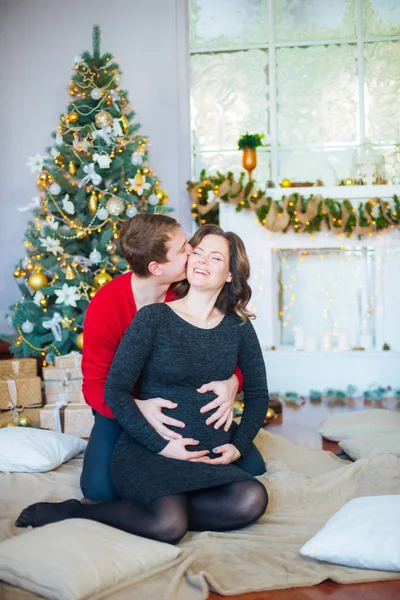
column 305, row 487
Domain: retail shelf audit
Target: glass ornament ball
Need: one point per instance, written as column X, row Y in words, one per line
column 131, row 211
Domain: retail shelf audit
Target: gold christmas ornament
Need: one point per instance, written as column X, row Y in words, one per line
column 43, row 302
column 286, row 183
column 92, row 294
column 72, row 168
column 101, row 279
column 80, row 234
column 125, row 123
column 146, row 171
column 111, row 247
column 349, row 181
column 270, row 416
column 23, row 422
column 11, row 424
column 79, row 341
column 162, row 196
column 17, row 273
column 115, row 206
column 29, row 266
column 93, row 202
column 103, row 119
column 37, row 281
column 69, row 273
column 73, row 117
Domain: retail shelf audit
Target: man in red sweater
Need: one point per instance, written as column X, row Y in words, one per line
column 156, row 249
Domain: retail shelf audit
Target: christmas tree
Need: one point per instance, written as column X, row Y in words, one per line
column 92, row 179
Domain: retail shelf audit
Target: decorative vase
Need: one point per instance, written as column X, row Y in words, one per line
column 249, row 160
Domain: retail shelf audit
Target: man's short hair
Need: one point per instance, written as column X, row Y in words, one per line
column 144, row 239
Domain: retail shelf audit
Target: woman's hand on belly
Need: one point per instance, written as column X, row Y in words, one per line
column 177, row 449
column 229, row 453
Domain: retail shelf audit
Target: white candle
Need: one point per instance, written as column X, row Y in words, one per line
column 299, row 338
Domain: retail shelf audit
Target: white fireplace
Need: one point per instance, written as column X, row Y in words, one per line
column 326, row 305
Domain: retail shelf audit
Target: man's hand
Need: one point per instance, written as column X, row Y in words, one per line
column 226, row 392
column 229, row 453
column 177, row 449
column 152, row 411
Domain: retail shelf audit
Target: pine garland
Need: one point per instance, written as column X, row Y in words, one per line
column 294, row 211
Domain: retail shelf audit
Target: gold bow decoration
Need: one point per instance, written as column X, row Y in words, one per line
column 306, row 215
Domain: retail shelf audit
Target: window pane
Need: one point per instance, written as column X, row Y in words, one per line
column 317, row 94
column 382, row 91
column 232, row 161
column 330, row 165
column 229, row 97
column 228, row 23
column 309, row 20
column 323, row 293
column 382, row 17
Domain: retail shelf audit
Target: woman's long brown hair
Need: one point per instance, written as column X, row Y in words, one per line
column 236, row 294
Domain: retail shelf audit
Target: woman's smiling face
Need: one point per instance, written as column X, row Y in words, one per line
column 208, row 263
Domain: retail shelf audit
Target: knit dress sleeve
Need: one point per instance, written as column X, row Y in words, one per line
column 255, row 388
column 133, row 351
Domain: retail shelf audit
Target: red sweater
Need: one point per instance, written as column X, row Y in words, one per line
column 107, row 317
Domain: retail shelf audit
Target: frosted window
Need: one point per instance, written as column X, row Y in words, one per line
column 232, row 161
column 329, row 293
column 317, row 94
column 229, row 97
column 304, row 20
column 382, row 17
column 382, row 91
column 228, row 23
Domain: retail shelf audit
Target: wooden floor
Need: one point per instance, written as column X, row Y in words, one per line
column 300, row 424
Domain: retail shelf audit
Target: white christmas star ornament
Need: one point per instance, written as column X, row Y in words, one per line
column 68, row 295
column 51, row 245
column 139, row 189
column 35, row 163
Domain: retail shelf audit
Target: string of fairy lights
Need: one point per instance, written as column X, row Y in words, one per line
column 349, row 291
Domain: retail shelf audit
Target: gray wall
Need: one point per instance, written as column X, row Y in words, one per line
column 38, row 41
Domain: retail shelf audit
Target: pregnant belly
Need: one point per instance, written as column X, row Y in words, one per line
column 188, row 411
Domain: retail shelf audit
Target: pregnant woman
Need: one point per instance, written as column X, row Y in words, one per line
column 169, row 487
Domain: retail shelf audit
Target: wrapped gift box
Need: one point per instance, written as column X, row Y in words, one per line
column 20, row 391
column 52, row 417
column 54, row 374
column 78, row 420
column 67, row 397
column 18, row 366
column 9, row 416
column 60, row 387
column 62, row 384
column 68, row 361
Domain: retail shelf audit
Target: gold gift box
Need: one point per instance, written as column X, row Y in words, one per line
column 28, row 391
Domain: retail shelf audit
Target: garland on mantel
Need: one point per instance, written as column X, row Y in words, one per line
column 305, row 215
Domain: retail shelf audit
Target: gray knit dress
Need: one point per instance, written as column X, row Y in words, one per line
column 172, row 359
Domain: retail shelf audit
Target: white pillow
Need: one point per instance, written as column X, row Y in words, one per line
column 372, row 444
column 364, row 533
column 30, row 450
column 349, row 425
column 76, row 559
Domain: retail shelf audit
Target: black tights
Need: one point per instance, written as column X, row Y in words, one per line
column 167, row 518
